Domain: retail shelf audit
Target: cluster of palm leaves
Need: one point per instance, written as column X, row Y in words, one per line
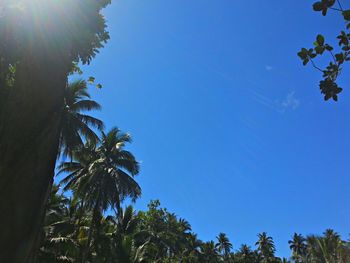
column 72, row 234
column 85, row 221
column 328, row 248
column 99, row 176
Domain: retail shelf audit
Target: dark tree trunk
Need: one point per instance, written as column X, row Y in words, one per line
column 94, row 224
column 29, row 137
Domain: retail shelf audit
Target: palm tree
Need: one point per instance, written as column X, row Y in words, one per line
column 192, row 251
column 245, row 255
column 76, row 126
column 298, row 247
column 102, row 175
column 129, row 252
column 209, row 252
column 328, row 248
column 57, row 243
column 116, row 239
column 126, row 221
column 126, row 245
column 224, row 246
column 266, row 247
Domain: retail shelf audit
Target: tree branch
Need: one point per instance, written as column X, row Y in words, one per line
column 340, row 6
column 314, row 65
column 336, row 9
column 335, row 61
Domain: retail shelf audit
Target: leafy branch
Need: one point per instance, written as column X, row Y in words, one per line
column 328, row 85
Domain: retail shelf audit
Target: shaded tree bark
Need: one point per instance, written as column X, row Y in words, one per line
column 29, row 136
column 42, row 38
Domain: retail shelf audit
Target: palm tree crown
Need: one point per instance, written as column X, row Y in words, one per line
column 298, row 247
column 76, row 126
column 224, row 246
column 103, row 174
column 266, row 246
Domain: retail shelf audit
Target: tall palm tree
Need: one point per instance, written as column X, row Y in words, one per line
column 102, row 175
column 210, row 253
column 298, row 247
column 224, row 246
column 266, row 247
column 245, row 255
column 75, row 125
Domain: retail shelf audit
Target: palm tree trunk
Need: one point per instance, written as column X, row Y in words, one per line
column 93, row 224
column 29, row 137
column 80, row 216
column 87, row 249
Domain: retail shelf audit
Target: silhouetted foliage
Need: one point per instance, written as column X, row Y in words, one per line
column 329, row 84
column 157, row 235
column 41, row 44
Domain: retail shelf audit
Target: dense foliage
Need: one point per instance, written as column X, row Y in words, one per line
column 330, row 73
column 157, row 235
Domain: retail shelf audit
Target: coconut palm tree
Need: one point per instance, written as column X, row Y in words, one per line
column 102, row 176
column 328, row 248
column 224, row 246
column 129, row 252
column 127, row 246
column 245, row 255
column 209, row 252
column 298, row 247
column 75, row 125
column 57, row 243
column 192, row 251
column 266, row 247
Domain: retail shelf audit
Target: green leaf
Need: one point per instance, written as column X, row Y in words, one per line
column 99, row 86
column 340, row 58
column 328, row 47
column 320, row 40
column 320, row 50
column 313, row 55
column 327, row 96
column 303, row 54
column 318, row 6
column 346, row 15
column 91, row 80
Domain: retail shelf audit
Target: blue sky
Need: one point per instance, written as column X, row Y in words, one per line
column 230, row 128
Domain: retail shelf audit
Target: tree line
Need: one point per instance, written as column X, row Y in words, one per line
column 86, row 222
column 73, row 232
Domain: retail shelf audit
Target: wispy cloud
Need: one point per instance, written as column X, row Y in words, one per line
column 281, row 105
column 290, row 102
column 268, row 67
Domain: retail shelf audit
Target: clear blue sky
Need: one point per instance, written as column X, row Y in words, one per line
column 231, row 130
